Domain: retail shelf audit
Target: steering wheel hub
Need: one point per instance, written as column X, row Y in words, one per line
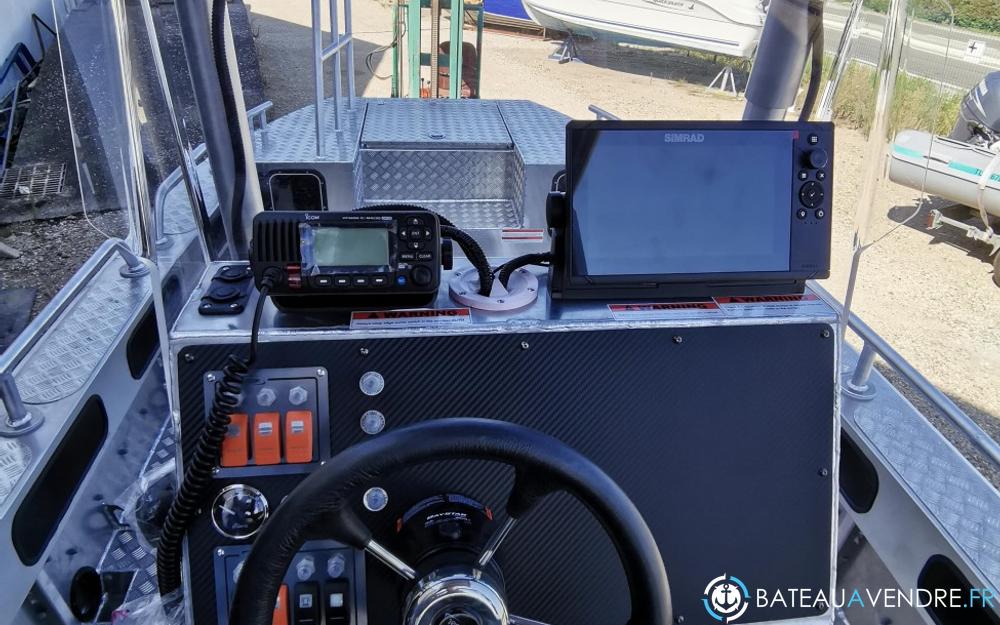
column 457, row 595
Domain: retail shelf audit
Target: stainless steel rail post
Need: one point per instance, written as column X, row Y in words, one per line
column 340, row 43
column 781, row 59
column 193, row 18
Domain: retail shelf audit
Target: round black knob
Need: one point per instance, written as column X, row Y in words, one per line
column 421, row 276
column 818, row 159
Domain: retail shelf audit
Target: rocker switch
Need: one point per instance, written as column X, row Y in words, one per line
column 306, row 605
column 336, row 604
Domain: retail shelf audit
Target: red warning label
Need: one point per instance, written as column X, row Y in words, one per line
column 791, row 304
column 768, row 299
column 415, row 318
column 664, row 310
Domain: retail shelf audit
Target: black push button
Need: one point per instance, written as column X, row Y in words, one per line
column 336, row 603
column 813, row 139
column 305, row 605
column 404, row 234
column 425, row 256
column 416, row 233
column 360, row 281
column 821, row 174
column 428, row 234
column 414, row 221
column 811, row 194
column 421, row 276
column 407, row 256
column 415, row 245
column 379, row 280
column 820, row 213
column 322, row 281
column 801, row 213
column 341, row 281
column 803, row 175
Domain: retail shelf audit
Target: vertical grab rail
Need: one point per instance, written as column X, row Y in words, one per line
column 341, row 42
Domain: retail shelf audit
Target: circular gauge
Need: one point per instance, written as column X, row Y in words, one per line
column 239, row 511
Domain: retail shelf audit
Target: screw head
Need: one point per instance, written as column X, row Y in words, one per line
column 826, row 333
column 320, row 373
column 824, row 472
column 364, row 351
column 210, row 377
column 525, row 345
column 188, row 357
column 678, row 339
column 220, row 552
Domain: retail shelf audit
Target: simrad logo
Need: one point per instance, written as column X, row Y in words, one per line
column 683, row 137
column 726, row 598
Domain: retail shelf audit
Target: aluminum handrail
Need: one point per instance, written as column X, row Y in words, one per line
column 341, row 43
column 601, row 113
column 873, row 343
column 30, row 336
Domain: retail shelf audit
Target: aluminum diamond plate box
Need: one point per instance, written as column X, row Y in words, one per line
column 422, row 124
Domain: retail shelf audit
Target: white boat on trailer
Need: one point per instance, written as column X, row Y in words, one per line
column 730, row 27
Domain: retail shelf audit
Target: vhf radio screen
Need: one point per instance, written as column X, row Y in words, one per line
column 707, row 202
column 334, row 247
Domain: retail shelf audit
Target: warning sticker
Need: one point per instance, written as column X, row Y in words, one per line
column 772, row 305
column 415, row 318
column 664, row 310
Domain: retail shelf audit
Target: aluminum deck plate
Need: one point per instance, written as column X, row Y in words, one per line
column 435, row 124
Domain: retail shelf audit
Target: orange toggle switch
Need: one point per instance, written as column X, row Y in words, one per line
column 236, row 445
column 280, row 616
column 299, row 436
column 267, row 438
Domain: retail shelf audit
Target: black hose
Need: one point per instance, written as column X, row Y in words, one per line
column 816, row 69
column 199, row 471
column 232, row 114
column 504, row 272
column 475, row 254
column 470, row 247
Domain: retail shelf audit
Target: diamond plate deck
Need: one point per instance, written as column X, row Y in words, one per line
column 435, row 124
column 125, row 552
column 66, row 357
column 292, row 137
column 178, row 217
column 965, row 505
column 428, row 175
column 538, row 132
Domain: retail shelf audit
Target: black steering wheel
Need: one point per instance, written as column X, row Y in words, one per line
column 542, row 465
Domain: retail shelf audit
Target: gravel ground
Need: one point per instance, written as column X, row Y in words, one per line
column 928, row 293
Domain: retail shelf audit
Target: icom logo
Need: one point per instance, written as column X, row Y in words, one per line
column 683, row 137
column 726, row 598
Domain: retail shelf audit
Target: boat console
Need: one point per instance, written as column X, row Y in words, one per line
column 472, row 363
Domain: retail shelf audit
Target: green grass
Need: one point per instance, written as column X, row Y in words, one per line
column 918, row 103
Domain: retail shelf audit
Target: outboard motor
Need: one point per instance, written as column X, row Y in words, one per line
column 979, row 117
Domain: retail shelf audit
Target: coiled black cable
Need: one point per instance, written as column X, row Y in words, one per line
column 505, row 270
column 199, row 471
column 470, row 247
